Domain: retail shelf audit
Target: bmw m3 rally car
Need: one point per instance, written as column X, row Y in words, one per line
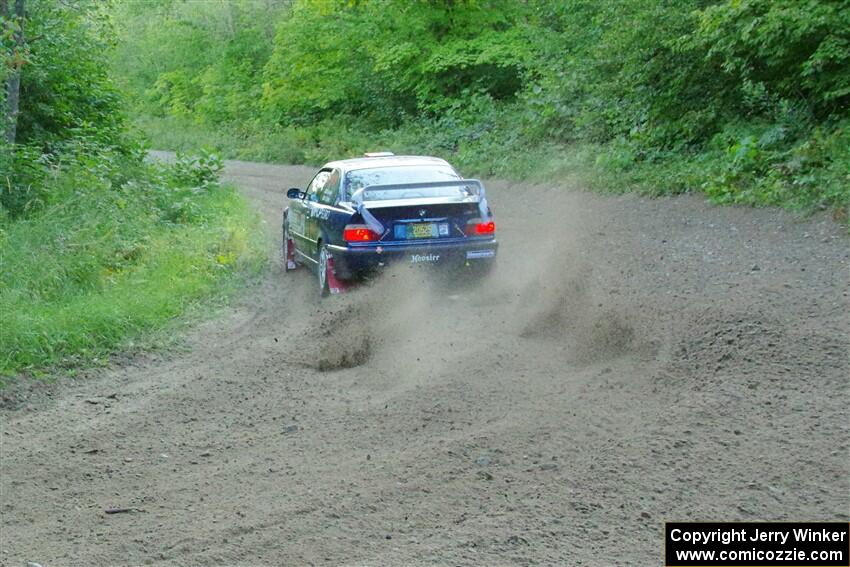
column 358, row 215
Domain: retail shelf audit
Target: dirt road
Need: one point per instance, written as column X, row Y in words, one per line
column 631, row 361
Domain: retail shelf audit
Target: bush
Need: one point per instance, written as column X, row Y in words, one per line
column 23, row 179
column 102, row 263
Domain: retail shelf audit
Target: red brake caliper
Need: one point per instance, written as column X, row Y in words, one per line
column 334, row 285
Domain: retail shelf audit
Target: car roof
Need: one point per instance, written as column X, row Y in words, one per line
column 384, row 161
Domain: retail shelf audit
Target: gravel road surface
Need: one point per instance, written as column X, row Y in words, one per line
column 629, row 362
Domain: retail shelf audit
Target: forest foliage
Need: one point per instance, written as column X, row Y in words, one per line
column 746, row 100
column 98, row 245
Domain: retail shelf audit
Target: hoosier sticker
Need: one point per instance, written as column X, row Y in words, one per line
column 424, row 258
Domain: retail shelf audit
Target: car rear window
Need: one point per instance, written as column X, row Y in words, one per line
column 360, row 178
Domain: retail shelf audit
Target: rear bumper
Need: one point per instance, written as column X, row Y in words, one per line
column 353, row 261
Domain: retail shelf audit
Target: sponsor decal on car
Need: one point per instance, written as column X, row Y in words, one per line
column 480, row 254
column 420, row 258
column 320, row 213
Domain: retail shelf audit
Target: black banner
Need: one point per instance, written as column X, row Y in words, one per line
column 757, row 544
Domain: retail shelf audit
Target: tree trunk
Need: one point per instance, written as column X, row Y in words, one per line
column 15, row 22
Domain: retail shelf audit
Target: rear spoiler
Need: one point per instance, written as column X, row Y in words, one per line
column 357, row 198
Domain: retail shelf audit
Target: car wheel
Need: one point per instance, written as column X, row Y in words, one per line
column 322, row 272
column 286, row 249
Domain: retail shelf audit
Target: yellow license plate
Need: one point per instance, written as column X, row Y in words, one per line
column 423, row 230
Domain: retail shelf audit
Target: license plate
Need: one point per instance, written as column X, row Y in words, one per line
column 423, row 230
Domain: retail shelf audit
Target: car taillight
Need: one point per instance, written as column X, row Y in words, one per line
column 358, row 233
column 477, row 228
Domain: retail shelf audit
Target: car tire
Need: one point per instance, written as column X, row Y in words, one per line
column 322, row 271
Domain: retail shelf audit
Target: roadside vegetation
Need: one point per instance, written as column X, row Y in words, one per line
column 743, row 100
column 98, row 246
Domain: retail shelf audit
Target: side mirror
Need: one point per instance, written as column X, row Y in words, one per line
column 295, row 193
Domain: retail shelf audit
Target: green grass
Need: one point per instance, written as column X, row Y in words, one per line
column 104, row 265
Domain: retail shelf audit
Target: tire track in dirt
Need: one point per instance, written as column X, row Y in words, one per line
column 630, row 361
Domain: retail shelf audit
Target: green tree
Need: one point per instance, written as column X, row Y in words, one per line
column 13, row 51
column 388, row 59
column 199, row 60
column 771, row 50
column 58, row 53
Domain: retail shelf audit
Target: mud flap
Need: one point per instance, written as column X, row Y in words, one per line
column 335, row 285
column 290, row 255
